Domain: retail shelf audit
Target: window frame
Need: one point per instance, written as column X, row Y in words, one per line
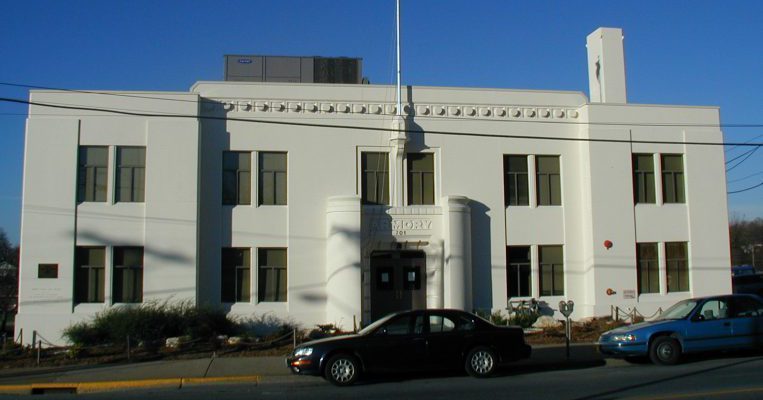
column 365, row 170
column 92, row 170
column 140, row 168
column 236, row 275
column 136, row 270
column 241, row 175
column 557, row 288
column 652, row 267
column 262, row 272
column 520, row 268
column 641, row 179
column 539, row 178
column 515, row 178
column 410, row 174
column 92, row 293
column 670, row 179
column 275, row 173
column 679, row 265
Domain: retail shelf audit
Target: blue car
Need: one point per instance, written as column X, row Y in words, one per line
column 690, row 326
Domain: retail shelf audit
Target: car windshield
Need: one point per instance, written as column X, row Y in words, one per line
column 373, row 326
column 680, row 310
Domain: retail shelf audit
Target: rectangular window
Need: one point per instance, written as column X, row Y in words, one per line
column 375, row 178
column 420, row 178
column 648, row 268
column 643, row 178
column 128, row 274
column 272, row 274
column 236, row 276
column 551, row 270
column 518, row 282
column 676, row 261
column 92, row 173
column 272, row 179
column 673, row 178
column 237, row 177
column 89, row 274
column 47, row 271
column 131, row 174
column 515, row 186
column 549, row 181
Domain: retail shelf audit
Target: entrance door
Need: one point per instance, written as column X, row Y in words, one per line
column 397, row 282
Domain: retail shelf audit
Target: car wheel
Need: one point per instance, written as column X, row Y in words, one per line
column 665, row 350
column 342, row 370
column 481, row 362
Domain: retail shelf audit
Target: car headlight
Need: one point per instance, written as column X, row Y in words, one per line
column 624, row 338
column 303, row 351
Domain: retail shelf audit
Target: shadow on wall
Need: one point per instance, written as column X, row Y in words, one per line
column 482, row 281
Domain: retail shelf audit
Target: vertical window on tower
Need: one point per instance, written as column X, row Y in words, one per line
column 92, row 173
column 235, row 276
column 515, row 187
column 237, row 177
column 375, row 178
column 272, row 274
column 518, row 282
column 89, row 274
column 673, row 178
column 131, row 173
column 420, row 178
column 648, row 268
column 128, row 274
column 643, row 178
column 272, row 185
column 549, row 181
column 677, row 263
column 551, row 270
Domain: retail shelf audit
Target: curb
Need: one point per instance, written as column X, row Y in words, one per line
column 92, row 387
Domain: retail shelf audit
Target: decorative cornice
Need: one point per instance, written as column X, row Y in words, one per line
column 439, row 110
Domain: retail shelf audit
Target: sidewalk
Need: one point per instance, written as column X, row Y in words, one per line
column 256, row 370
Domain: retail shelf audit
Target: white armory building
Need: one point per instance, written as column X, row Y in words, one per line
column 313, row 202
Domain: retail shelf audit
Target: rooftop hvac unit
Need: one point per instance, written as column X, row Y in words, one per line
column 254, row 68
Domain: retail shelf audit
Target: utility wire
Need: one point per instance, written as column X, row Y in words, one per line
column 206, row 101
column 746, row 177
column 733, row 147
column 740, row 156
column 367, row 128
column 746, row 189
column 743, row 160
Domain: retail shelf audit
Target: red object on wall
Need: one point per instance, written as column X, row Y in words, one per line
column 608, row 244
column 610, row 292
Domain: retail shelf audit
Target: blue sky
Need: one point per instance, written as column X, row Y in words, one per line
column 677, row 52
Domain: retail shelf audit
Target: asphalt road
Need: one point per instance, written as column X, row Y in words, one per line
column 718, row 377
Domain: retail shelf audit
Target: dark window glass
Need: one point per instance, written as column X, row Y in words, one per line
column 420, row 178
column 411, row 278
column 404, row 325
column 440, row 324
column 47, row 271
column 745, row 307
column 714, row 309
column 515, row 186
column 551, row 270
column 648, row 268
column 643, row 178
column 272, row 182
column 375, row 178
column 128, row 275
column 131, row 174
column 272, row 275
column 673, row 178
column 549, row 181
column 92, row 173
column 235, row 276
column 677, row 264
column 385, row 278
column 89, row 274
column 237, row 178
column 518, row 279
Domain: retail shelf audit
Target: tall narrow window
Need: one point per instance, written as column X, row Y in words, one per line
column 272, row 274
column 92, row 173
column 676, row 260
column 519, row 271
column 235, row 276
column 89, row 274
column 515, row 188
column 237, row 178
column 375, row 178
column 128, row 275
column 673, row 178
column 643, row 178
column 551, row 270
column 648, row 268
column 420, row 178
column 131, row 174
column 549, row 181
column 272, row 179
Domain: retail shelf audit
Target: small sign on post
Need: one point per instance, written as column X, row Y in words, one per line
column 566, row 309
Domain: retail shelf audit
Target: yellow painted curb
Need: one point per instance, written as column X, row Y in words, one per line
column 90, row 387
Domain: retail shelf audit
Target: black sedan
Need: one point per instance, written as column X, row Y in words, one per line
column 412, row 340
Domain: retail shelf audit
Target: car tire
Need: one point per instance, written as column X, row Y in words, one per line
column 481, row 362
column 342, row 370
column 665, row 350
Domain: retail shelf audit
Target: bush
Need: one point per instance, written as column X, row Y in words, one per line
column 150, row 322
